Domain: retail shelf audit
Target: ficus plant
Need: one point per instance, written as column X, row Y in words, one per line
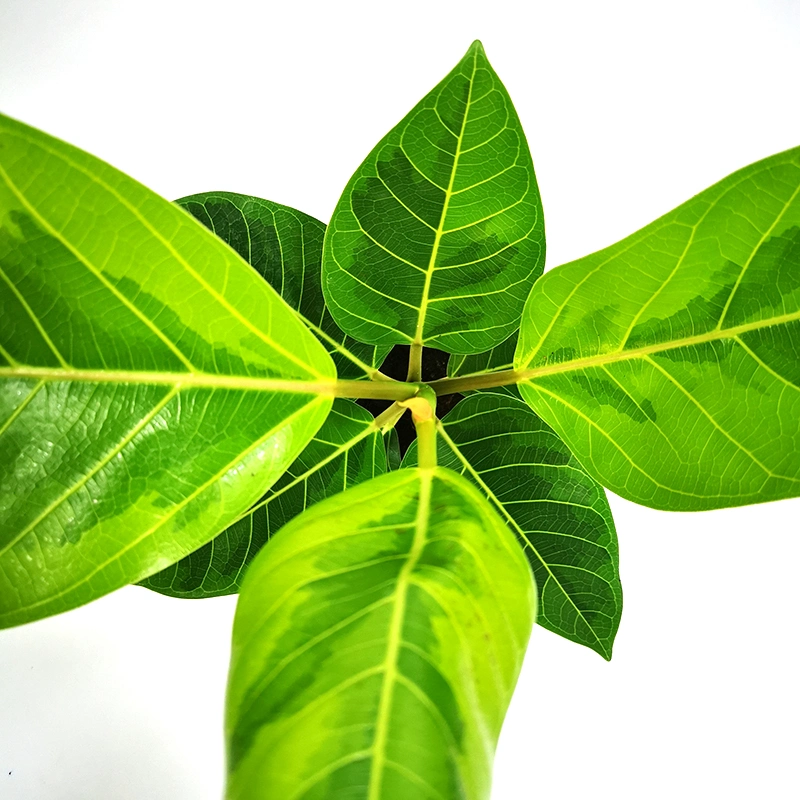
column 178, row 385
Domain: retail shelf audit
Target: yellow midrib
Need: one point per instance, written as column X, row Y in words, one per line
column 184, row 380
column 395, row 636
column 423, row 306
column 623, row 355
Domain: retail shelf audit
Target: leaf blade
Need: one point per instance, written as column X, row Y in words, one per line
column 439, row 235
column 360, row 704
column 679, row 391
column 134, row 325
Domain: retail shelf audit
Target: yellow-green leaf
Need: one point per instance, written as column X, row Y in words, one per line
column 151, row 383
column 670, row 362
column 376, row 645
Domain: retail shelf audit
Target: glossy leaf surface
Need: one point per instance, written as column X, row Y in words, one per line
column 285, row 247
column 439, row 235
column 345, row 451
column 376, row 645
column 151, row 384
column 558, row 512
column 670, row 362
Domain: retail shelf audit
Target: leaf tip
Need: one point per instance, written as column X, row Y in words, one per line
column 476, row 48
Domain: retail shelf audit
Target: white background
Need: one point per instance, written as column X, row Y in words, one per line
column 629, row 108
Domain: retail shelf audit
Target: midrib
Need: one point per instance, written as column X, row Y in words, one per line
column 395, row 637
column 624, row 355
column 423, row 306
column 186, row 380
column 190, row 380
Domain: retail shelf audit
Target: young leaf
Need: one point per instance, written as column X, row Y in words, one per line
column 559, row 513
column 376, row 645
column 285, row 247
column 440, row 233
column 669, row 362
column 348, row 449
column 151, row 384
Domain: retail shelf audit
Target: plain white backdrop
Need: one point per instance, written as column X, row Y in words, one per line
column 630, row 108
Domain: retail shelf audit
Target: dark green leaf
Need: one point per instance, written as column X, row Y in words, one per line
column 346, row 450
column 439, row 235
column 151, row 384
column 285, row 247
column 670, row 362
column 376, row 645
column 559, row 513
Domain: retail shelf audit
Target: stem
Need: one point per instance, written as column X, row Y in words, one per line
column 423, row 408
column 426, row 443
column 469, row 382
column 414, row 363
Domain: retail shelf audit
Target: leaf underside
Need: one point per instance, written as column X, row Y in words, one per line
column 151, row 384
column 376, row 645
column 670, row 362
column 559, row 514
column 439, row 235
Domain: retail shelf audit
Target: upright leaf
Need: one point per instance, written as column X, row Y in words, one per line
column 376, row 645
column 347, row 449
column 285, row 247
column 151, row 384
column 670, row 362
column 559, row 513
column 440, row 233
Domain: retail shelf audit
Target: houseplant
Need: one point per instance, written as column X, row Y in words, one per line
column 641, row 412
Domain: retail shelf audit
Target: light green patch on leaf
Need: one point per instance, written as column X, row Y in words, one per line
column 669, row 361
column 151, row 383
column 376, row 645
column 439, row 234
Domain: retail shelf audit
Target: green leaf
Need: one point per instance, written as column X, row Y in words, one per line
column 285, row 247
column 559, row 513
column 348, row 449
column 439, row 235
column 669, row 362
column 151, row 384
column 376, row 645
